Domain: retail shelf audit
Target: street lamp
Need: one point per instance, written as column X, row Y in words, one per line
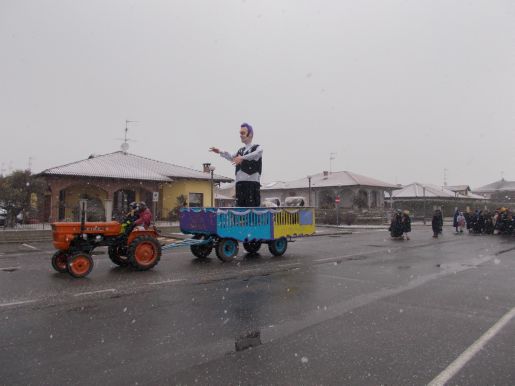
column 212, row 171
column 309, row 191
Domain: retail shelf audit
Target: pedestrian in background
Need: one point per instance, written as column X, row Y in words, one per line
column 461, row 222
column 406, row 224
column 396, row 226
column 455, row 220
column 436, row 223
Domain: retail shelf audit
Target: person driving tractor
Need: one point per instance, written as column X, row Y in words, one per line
column 130, row 218
column 144, row 217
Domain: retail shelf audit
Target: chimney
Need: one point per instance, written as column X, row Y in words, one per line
column 326, row 173
column 205, row 167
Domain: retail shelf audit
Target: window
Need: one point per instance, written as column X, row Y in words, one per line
column 196, row 200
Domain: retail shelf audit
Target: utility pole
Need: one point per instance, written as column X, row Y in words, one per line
column 309, row 190
column 424, row 192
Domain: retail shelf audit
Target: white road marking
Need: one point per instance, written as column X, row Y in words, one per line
column 165, row 281
column 331, row 259
column 469, row 353
column 95, row 292
column 289, row 265
column 9, row 268
column 16, row 303
column 28, row 246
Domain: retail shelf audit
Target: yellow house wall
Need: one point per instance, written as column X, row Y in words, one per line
column 176, row 188
column 74, row 193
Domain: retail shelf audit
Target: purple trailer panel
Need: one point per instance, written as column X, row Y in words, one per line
column 198, row 220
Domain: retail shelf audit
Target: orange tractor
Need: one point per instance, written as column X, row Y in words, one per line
column 75, row 242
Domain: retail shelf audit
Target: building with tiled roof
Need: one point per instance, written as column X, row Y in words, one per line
column 501, row 190
column 417, row 190
column 464, row 190
column 422, row 199
column 324, row 189
column 110, row 181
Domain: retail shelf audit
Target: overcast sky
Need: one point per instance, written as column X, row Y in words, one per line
column 398, row 90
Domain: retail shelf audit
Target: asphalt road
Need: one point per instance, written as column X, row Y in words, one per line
column 356, row 309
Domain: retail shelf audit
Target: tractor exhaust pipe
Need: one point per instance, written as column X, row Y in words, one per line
column 82, row 218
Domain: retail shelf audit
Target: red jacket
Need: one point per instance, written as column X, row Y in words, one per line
column 145, row 218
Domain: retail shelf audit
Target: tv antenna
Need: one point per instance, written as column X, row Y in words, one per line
column 332, row 156
column 125, row 145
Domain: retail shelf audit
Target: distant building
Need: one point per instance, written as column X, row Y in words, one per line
column 224, row 201
column 324, row 189
column 419, row 198
column 111, row 181
column 501, row 190
column 464, row 190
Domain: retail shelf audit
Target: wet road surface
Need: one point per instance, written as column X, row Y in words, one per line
column 351, row 309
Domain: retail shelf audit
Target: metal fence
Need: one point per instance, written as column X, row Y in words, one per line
column 47, row 226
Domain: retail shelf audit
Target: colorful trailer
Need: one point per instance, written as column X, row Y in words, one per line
column 218, row 228
column 223, row 228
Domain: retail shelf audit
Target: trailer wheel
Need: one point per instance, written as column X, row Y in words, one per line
column 252, row 246
column 144, row 253
column 80, row 264
column 226, row 249
column 59, row 261
column 115, row 254
column 201, row 251
column 277, row 247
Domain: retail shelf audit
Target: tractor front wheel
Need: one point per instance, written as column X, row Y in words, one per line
column 144, row 253
column 80, row 264
column 59, row 261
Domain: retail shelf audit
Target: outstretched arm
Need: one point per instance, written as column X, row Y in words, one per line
column 224, row 154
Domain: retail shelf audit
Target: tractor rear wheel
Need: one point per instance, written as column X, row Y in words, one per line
column 80, row 264
column 226, row 249
column 252, row 246
column 201, row 251
column 115, row 254
column 144, row 253
column 59, row 261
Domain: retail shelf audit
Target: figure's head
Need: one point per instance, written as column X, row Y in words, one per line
column 246, row 133
column 133, row 205
column 142, row 205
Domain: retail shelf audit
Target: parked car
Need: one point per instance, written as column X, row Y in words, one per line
column 271, row 202
column 294, row 201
